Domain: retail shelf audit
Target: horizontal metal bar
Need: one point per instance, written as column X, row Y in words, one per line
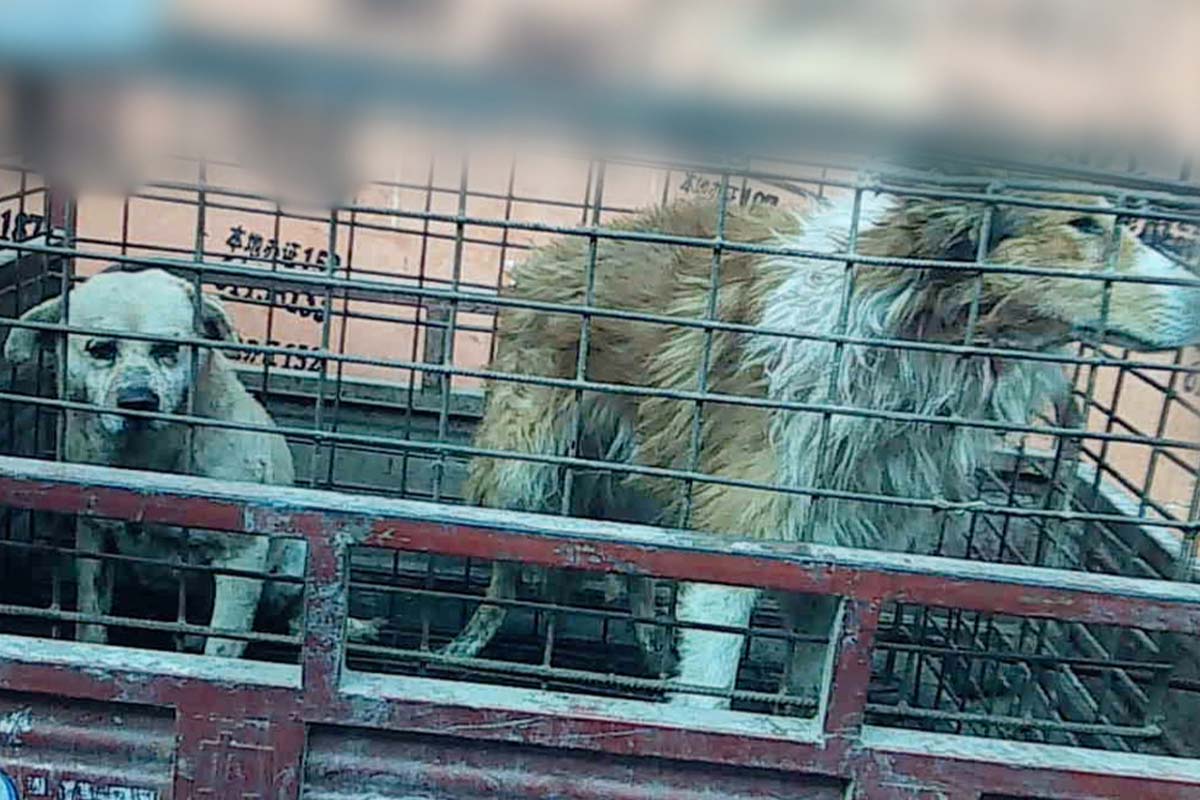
column 1019, row 768
column 606, row 614
column 595, row 678
column 1018, row 176
column 110, row 621
column 443, row 447
column 654, row 237
column 645, row 237
column 633, row 390
column 873, row 177
column 984, row 654
column 1075, row 179
column 794, row 746
column 1003, row 721
column 598, row 546
column 154, row 677
column 600, row 725
column 175, row 566
column 374, row 290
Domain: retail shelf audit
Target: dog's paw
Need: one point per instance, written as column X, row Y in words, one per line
column 93, row 634
column 364, row 630
column 224, row 648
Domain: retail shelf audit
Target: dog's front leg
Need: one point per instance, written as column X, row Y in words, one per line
column 235, row 599
column 94, row 592
column 709, row 658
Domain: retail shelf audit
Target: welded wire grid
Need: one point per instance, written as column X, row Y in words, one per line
column 367, row 331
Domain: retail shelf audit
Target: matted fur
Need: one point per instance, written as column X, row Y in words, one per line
column 900, row 459
column 153, row 302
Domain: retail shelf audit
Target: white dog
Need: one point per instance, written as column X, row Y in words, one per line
column 123, row 375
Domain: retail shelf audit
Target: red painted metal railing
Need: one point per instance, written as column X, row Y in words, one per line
column 249, row 729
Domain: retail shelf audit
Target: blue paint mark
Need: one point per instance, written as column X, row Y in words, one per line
column 8, row 787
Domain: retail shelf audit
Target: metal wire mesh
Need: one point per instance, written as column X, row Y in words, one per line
column 367, row 331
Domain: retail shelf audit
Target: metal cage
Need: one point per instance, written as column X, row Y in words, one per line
column 367, row 332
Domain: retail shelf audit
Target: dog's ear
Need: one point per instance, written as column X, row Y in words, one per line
column 214, row 322
column 23, row 343
column 955, row 234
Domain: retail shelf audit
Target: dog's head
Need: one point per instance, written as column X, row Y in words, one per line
column 108, row 371
column 1147, row 307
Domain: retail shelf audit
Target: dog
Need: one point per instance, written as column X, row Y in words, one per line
column 119, row 375
column 841, row 452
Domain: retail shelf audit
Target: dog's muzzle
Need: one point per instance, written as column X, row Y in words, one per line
column 137, row 398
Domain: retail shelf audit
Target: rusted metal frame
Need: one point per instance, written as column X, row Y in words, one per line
column 328, row 531
column 222, row 753
column 956, row 766
column 209, row 699
column 597, row 546
column 845, row 697
column 106, row 674
column 1054, row 772
column 231, row 732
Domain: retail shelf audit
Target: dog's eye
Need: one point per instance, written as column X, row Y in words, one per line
column 1089, row 226
column 165, row 352
column 102, row 350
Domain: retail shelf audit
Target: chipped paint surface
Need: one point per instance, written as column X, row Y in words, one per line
column 14, row 725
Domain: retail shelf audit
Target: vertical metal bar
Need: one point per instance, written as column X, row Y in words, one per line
column 502, row 267
column 844, row 701
column 180, row 575
column 1113, row 250
column 326, row 604
column 702, row 369
column 320, row 440
column 445, row 382
column 197, row 302
column 1185, row 568
column 426, row 623
column 1066, row 498
column 1110, row 423
column 65, row 281
column 585, row 330
column 66, row 277
column 954, row 620
column 416, row 380
column 1160, row 430
column 342, row 334
column 125, row 226
column 836, row 358
column 268, row 361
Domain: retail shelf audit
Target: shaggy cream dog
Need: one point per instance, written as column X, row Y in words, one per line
column 844, row 452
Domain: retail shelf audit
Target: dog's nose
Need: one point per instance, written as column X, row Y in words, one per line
column 137, row 398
